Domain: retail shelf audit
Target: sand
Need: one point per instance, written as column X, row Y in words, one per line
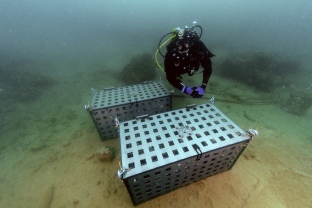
column 48, row 147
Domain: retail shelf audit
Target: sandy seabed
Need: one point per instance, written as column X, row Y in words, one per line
column 48, row 146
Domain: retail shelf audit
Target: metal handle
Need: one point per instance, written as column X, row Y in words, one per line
column 143, row 116
column 190, row 106
column 109, row 88
column 198, row 151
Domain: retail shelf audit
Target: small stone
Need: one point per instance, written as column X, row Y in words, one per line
column 106, row 153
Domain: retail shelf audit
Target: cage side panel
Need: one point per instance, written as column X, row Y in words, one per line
column 156, row 182
column 243, row 146
column 105, row 124
column 130, row 191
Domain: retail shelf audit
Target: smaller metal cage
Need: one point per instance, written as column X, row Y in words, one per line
column 113, row 105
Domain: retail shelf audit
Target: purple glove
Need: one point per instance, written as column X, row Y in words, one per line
column 198, row 92
column 188, row 90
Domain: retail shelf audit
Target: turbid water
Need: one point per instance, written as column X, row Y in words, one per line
column 52, row 54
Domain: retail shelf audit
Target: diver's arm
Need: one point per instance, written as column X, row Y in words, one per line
column 206, row 64
column 171, row 76
column 175, row 81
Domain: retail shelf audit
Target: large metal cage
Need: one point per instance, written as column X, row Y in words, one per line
column 163, row 152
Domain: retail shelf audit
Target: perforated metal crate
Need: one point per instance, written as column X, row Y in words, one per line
column 114, row 105
column 169, row 150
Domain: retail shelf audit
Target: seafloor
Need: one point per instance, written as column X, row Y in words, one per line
column 48, row 145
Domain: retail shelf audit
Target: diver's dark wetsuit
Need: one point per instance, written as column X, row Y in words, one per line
column 179, row 62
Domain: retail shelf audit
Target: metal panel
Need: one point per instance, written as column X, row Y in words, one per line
column 169, row 150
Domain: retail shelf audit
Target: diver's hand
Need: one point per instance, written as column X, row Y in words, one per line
column 188, row 90
column 198, row 92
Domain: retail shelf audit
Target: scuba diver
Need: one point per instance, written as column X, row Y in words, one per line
column 185, row 53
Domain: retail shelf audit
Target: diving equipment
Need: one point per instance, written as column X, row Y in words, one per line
column 188, row 34
column 182, row 38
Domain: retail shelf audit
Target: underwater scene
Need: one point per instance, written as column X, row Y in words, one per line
column 56, row 56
